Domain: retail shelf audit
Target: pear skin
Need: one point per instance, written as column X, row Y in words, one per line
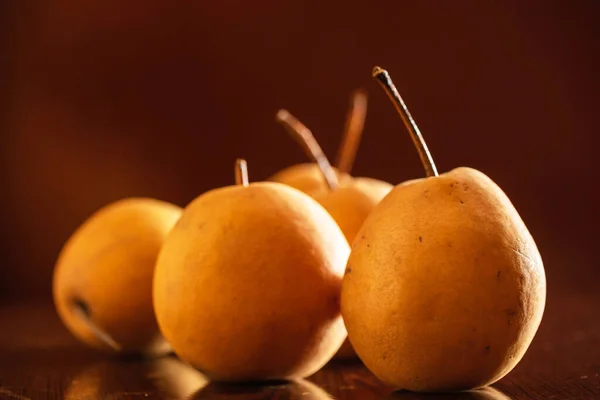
column 102, row 282
column 445, row 288
column 247, row 284
column 378, row 188
column 352, row 202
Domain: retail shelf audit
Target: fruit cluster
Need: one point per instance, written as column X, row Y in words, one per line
column 443, row 287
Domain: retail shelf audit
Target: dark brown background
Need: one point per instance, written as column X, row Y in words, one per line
column 102, row 100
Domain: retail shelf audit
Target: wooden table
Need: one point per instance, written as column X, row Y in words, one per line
column 39, row 359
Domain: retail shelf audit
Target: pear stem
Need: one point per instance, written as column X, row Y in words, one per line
column 82, row 312
column 355, row 123
column 305, row 138
column 388, row 86
column 241, row 172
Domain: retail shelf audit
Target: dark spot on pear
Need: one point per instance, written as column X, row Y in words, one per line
column 487, row 348
column 462, row 202
column 452, row 185
column 498, row 274
column 384, row 356
column 82, row 306
column 421, row 239
column 511, row 313
column 368, row 245
column 348, row 270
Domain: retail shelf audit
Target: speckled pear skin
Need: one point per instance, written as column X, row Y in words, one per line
column 247, row 284
column 107, row 266
column 444, row 288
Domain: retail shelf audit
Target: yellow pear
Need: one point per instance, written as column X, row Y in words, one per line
column 247, row 283
column 308, row 177
column 349, row 202
column 445, row 288
column 102, row 281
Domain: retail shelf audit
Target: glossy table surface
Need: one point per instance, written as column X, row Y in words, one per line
column 40, row 360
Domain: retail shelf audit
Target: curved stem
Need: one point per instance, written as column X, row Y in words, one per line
column 241, row 172
column 82, row 311
column 306, row 139
column 355, row 123
column 388, row 86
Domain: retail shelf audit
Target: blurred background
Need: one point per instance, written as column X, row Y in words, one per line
column 102, row 100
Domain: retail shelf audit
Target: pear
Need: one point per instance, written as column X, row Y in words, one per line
column 308, row 177
column 445, row 288
column 349, row 202
column 247, row 283
column 102, row 282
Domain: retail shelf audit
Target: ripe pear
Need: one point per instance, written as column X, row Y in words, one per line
column 247, row 283
column 445, row 288
column 308, row 177
column 102, row 282
column 349, row 202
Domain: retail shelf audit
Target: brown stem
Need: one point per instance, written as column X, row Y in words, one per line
column 388, row 86
column 82, row 311
column 355, row 123
column 306, row 139
column 241, row 172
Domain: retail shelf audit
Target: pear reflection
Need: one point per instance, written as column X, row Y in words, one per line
column 486, row 393
column 177, row 378
column 299, row 389
column 129, row 378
